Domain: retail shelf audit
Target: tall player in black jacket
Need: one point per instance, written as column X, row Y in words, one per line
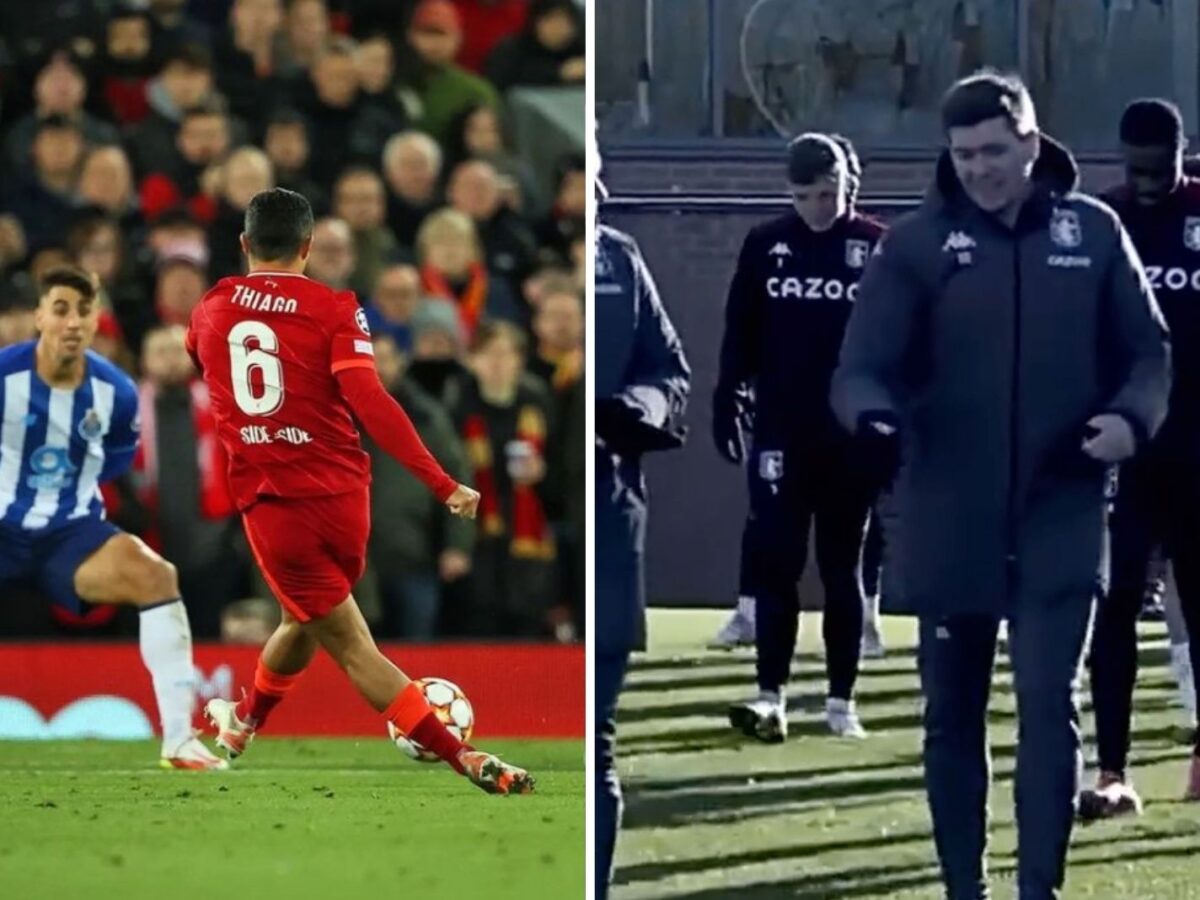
column 1158, row 499
column 788, row 305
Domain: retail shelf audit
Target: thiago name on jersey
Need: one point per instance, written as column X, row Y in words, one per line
column 262, row 302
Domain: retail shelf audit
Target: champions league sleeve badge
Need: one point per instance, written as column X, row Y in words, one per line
column 1065, row 230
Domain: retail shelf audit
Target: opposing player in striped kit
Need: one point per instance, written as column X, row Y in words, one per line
column 69, row 424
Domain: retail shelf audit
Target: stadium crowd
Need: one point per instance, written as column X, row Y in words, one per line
column 132, row 137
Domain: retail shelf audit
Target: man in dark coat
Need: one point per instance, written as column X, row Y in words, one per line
column 1007, row 339
column 642, row 384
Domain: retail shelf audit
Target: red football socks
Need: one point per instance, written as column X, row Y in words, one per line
column 269, row 688
column 411, row 713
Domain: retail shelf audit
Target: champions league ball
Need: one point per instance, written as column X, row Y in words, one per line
column 450, row 705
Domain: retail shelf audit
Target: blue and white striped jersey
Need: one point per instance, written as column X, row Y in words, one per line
column 57, row 445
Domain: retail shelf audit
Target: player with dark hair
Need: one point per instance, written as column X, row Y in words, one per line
column 788, row 305
column 1007, row 338
column 1158, row 496
column 738, row 629
column 70, row 424
column 288, row 360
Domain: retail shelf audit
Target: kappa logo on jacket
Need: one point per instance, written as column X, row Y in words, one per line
column 960, row 244
column 779, row 251
column 957, row 241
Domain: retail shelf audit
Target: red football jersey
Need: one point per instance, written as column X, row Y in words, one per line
column 269, row 345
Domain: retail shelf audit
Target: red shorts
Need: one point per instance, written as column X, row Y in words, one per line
column 311, row 550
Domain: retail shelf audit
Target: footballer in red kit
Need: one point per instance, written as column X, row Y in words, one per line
column 276, row 348
column 289, row 365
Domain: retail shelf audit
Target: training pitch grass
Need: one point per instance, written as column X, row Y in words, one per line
column 713, row 815
column 293, row 820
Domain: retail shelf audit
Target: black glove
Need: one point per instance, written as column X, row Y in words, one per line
column 616, row 425
column 878, row 441
column 732, row 421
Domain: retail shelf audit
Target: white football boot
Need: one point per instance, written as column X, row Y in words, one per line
column 190, row 754
column 232, row 733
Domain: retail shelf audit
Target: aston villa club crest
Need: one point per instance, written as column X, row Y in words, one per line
column 604, row 267
column 770, row 465
column 1191, row 233
column 1065, row 230
column 857, row 253
column 90, row 426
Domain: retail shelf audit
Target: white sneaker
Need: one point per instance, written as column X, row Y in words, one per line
column 1181, row 668
column 738, row 630
column 872, row 640
column 765, row 720
column 842, row 718
column 191, row 754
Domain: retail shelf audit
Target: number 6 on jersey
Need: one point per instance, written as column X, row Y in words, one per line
column 245, row 360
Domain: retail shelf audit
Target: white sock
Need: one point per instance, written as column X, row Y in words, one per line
column 775, row 698
column 745, row 608
column 165, row 638
column 838, row 705
column 871, row 609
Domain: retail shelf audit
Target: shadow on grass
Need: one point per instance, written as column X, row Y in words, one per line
column 877, row 881
column 730, row 799
column 655, row 871
column 681, row 808
column 724, row 780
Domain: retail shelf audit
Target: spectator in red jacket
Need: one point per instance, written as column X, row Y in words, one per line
column 487, row 22
column 127, row 63
column 180, row 476
column 203, row 141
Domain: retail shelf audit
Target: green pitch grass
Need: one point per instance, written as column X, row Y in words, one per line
column 713, row 815
column 294, row 820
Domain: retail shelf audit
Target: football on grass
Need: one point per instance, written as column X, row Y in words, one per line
column 450, row 705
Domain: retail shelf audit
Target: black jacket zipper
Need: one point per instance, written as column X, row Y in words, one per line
column 1014, row 431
